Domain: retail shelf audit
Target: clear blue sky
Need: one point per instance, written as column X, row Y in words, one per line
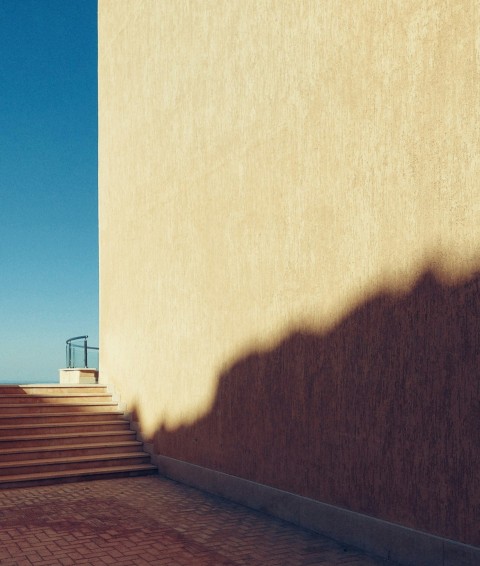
column 48, row 183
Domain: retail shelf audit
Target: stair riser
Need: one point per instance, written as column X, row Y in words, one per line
column 40, row 419
column 18, row 443
column 63, row 429
column 28, row 468
column 55, row 408
column 133, row 448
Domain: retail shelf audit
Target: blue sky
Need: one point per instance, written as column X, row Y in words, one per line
column 48, row 183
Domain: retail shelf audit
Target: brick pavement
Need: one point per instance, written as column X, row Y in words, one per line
column 152, row 520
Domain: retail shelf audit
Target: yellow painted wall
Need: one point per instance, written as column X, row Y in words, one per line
column 270, row 168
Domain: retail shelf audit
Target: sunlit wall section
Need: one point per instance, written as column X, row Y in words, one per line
column 270, row 170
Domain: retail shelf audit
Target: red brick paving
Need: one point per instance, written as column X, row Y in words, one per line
column 152, row 520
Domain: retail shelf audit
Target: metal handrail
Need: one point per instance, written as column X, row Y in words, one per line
column 69, row 346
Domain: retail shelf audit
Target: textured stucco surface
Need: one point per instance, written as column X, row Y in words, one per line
column 289, row 239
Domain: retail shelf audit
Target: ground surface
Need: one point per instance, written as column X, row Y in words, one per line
column 151, row 520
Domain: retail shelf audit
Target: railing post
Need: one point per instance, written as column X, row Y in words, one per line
column 70, row 351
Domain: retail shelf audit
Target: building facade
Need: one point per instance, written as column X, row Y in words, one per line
column 289, row 250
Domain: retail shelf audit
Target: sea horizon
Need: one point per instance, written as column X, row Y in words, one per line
column 29, row 381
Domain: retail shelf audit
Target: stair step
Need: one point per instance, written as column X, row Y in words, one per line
column 65, row 417
column 9, row 409
column 47, row 452
column 57, row 433
column 24, row 399
column 27, row 429
column 28, row 480
column 52, row 388
column 73, row 463
column 65, row 439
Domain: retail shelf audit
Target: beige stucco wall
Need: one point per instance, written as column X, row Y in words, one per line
column 268, row 166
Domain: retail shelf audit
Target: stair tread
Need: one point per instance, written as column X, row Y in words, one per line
column 36, row 449
column 54, row 395
column 71, row 435
column 77, row 473
column 93, row 403
column 66, row 414
column 53, row 425
column 74, row 459
column 54, row 385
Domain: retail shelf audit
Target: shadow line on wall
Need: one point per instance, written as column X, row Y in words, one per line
column 379, row 415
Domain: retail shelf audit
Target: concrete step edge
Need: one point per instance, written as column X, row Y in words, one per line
column 78, row 473
column 60, row 448
column 93, row 404
column 78, row 435
column 46, row 415
column 122, row 422
column 74, row 460
column 52, row 395
column 54, row 388
column 95, row 415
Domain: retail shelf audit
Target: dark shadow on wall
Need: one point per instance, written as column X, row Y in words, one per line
column 380, row 415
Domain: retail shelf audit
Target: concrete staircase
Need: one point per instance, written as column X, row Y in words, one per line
column 65, row 433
